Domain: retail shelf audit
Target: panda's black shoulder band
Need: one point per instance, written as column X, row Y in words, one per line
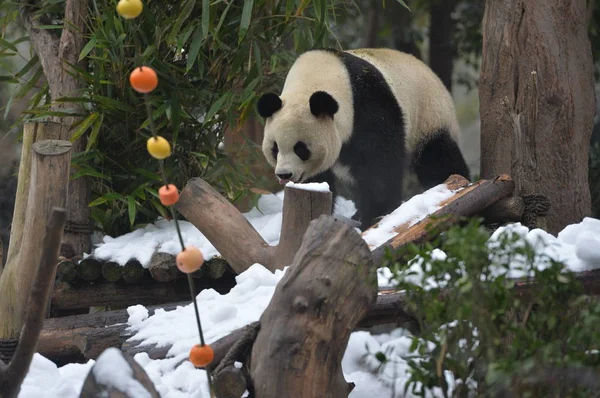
column 322, row 103
column 268, row 104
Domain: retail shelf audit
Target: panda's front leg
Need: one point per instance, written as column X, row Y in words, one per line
column 375, row 200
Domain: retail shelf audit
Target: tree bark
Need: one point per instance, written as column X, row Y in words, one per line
column 48, row 188
column 537, row 102
column 441, row 45
column 55, row 54
column 305, row 328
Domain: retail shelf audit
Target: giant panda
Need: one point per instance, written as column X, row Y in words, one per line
column 359, row 118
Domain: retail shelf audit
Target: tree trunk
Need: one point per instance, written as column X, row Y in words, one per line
column 48, row 188
column 441, row 46
column 305, row 328
column 537, row 102
column 55, row 54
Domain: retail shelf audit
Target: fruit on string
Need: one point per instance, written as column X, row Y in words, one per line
column 168, row 195
column 129, row 8
column 143, row 79
column 189, row 260
column 201, row 355
column 158, row 147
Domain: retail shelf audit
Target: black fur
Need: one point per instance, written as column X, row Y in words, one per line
column 436, row 157
column 376, row 149
column 268, row 104
column 322, row 103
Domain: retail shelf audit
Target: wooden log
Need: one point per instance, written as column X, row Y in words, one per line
column 162, row 267
column 96, row 384
column 216, row 267
column 328, row 288
column 453, row 183
column 148, row 293
column 89, row 269
column 12, row 376
column 236, row 239
column 49, row 180
column 66, row 271
column 60, row 338
column 466, row 203
column 112, row 271
column 133, row 271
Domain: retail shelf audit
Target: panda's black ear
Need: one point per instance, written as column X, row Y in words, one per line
column 321, row 103
column 268, row 104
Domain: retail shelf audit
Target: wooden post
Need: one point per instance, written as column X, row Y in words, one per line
column 305, row 329
column 48, row 187
column 32, row 132
column 300, row 207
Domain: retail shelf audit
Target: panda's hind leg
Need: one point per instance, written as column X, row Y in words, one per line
column 436, row 157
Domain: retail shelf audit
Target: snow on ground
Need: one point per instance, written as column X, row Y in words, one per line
column 578, row 245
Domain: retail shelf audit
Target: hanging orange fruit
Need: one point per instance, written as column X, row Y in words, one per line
column 129, row 8
column 189, row 260
column 143, row 79
column 158, row 147
column 168, row 195
column 201, row 355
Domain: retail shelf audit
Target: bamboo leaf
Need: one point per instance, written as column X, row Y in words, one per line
column 132, row 209
column 185, row 14
column 7, row 44
column 111, row 196
column 83, row 126
column 246, row 17
column 94, row 134
column 194, row 48
column 205, row 17
column 87, row 48
column 216, row 106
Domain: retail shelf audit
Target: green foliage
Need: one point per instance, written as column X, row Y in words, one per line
column 476, row 324
column 212, row 57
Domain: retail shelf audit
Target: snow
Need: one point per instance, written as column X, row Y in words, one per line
column 578, row 245
column 113, row 370
column 410, row 213
column 309, row 186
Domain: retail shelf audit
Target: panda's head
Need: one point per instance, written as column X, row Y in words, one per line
column 300, row 137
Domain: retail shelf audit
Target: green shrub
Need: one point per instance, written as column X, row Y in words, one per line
column 476, row 325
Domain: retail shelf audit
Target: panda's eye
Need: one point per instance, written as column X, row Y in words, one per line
column 275, row 150
column 302, row 151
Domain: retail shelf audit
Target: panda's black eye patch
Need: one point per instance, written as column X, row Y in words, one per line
column 302, row 151
column 275, row 150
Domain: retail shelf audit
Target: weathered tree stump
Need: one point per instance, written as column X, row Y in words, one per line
column 235, row 238
column 304, row 331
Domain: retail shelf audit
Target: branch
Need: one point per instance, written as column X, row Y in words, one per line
column 13, row 375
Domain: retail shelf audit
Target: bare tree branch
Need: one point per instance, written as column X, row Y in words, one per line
column 12, row 376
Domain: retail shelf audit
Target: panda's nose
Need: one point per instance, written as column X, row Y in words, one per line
column 285, row 176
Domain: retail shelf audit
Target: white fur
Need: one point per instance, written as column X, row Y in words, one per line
column 417, row 89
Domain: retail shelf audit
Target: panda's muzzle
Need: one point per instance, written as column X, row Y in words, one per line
column 284, row 177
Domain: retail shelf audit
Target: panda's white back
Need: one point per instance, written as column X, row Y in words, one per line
column 425, row 101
